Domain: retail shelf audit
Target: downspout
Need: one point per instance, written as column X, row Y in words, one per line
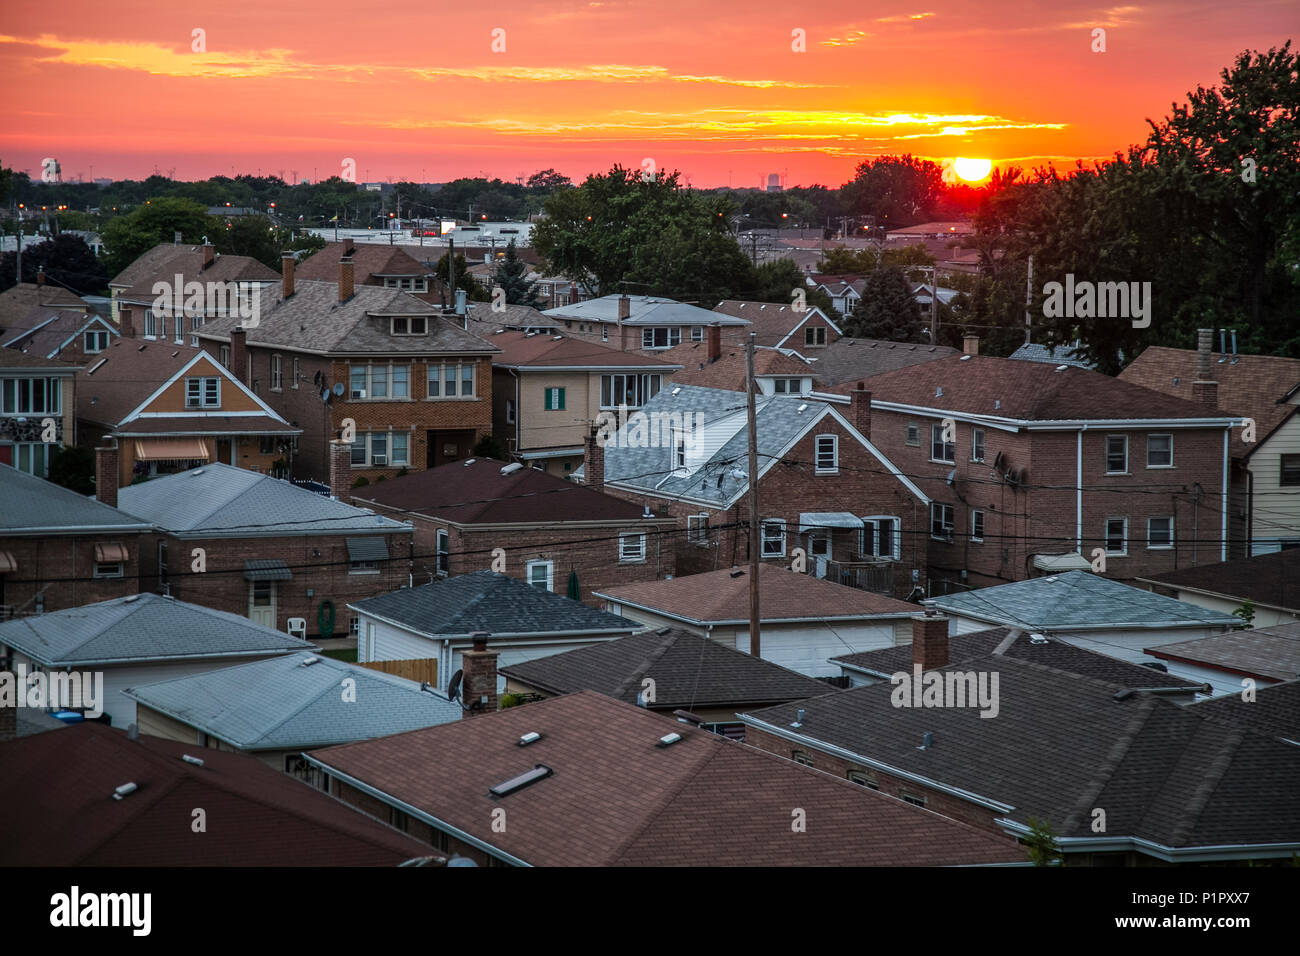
column 1196, row 521
column 1078, row 492
column 1223, row 521
column 518, row 410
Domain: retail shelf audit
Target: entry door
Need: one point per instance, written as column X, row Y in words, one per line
column 819, row 549
column 226, row 451
column 261, row 602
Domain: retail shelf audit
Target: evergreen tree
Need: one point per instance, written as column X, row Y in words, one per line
column 511, row 274
column 887, row 310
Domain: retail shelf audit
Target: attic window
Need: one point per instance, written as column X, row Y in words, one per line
column 410, row 325
column 539, row 772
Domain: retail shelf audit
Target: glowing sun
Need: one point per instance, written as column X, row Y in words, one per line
column 972, row 170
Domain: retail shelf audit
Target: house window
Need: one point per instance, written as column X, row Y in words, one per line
column 881, row 537
column 630, row 390
column 1116, row 454
column 108, row 569
column 1160, row 451
column 697, row 333
column 828, row 454
column 541, row 574
column 31, row 458
column 150, row 324
column 661, row 337
column 788, row 386
column 554, row 401
column 977, row 444
column 631, row 547
column 444, row 550
column 96, row 340
column 379, row 448
column 400, row 448
column 976, row 525
column 941, row 521
column 814, row 335
column 801, row 757
column 266, row 444
column 359, row 449
column 510, row 411
column 940, row 450
column 1117, row 536
column 913, row 434
column 912, row 798
column 358, row 381
column 277, row 373
column 410, row 324
column 31, row 396
column 203, row 392
column 604, row 329
column 293, row 383
column 443, row 379
column 225, row 356
column 363, row 567
column 401, row 381
column 354, row 625
column 863, row 779
column 1160, row 533
column 1290, row 474
column 398, row 820
column 697, row 528
column 773, row 538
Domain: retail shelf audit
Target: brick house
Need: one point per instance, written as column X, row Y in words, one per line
column 374, row 264
column 416, row 387
column 547, row 527
column 713, row 365
column 35, row 392
column 640, row 322
column 1043, row 464
column 51, row 322
column 825, row 487
column 777, row 325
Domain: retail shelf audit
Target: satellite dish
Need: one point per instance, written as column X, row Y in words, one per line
column 338, row 388
column 453, row 688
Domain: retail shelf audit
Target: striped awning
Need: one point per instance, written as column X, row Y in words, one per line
column 7, row 562
column 266, row 569
column 110, row 553
column 367, row 549
column 170, row 449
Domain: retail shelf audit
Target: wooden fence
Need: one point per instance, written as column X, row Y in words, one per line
column 418, row 669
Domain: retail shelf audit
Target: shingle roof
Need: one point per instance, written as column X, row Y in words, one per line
column 849, row 359
column 715, row 597
column 17, row 301
column 12, row 358
column 1050, row 355
column 115, row 382
column 1270, row 653
column 140, row 628
column 163, row 262
column 483, row 321
column 492, row 602
column 643, row 310
column 1076, row 600
column 728, row 371
column 1275, row 710
column 57, row 791
column 368, row 259
column 35, row 506
column 616, row 799
column 224, row 499
column 475, row 492
column 1057, row 654
column 280, row 704
column 520, row 349
column 687, row 670
column 1061, row 745
column 43, row 331
column 1272, row 579
column 771, row 321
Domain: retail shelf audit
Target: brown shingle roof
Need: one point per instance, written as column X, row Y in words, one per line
column 1268, row 653
column 369, row 260
column 43, row 330
column 1272, row 579
column 163, row 262
column 773, row 321
column 614, row 798
column 521, row 349
column 1274, row 711
column 716, row 596
column 729, row 371
column 848, row 359
column 16, row 302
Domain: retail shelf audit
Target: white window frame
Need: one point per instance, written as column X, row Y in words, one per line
column 202, row 398
column 672, row 335
column 977, row 444
column 818, row 467
column 936, row 437
column 442, row 552
column 977, row 520
column 947, row 518
column 1105, row 540
column 550, row 573
column 907, row 435
column 1121, row 438
column 296, row 372
column 149, row 325
column 765, row 537
column 896, row 544
column 277, row 373
column 814, row 336
column 697, row 333
column 109, row 569
column 99, row 335
column 1160, row 547
column 644, row 386
column 510, row 411
column 1170, row 436
column 408, row 322
column 631, row 557
column 697, row 528
column 11, row 396
column 224, row 356
column 458, row 378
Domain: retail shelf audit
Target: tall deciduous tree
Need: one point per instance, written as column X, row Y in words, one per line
column 127, row 237
column 894, row 191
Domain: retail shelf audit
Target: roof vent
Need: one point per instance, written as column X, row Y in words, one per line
column 539, row 772
column 1036, row 638
column 667, row 740
column 529, row 738
column 965, row 358
column 511, row 468
column 802, row 407
column 196, row 472
column 130, row 598
column 1060, row 368
column 470, row 461
column 662, row 631
column 737, row 572
column 309, row 660
column 124, row 790
column 194, row 760
column 677, row 389
column 1124, row 694
column 798, row 717
column 927, row 741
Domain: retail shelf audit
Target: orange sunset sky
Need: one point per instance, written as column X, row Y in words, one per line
column 415, row 90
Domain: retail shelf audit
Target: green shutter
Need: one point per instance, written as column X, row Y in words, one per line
column 560, row 393
column 548, row 400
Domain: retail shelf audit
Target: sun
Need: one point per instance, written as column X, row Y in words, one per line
column 972, row 170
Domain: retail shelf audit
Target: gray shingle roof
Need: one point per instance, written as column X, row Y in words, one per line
column 36, row 506
column 1274, row 711
column 222, row 499
column 643, row 310
column 1051, row 355
column 280, row 704
column 1076, row 600
column 491, row 602
column 140, row 628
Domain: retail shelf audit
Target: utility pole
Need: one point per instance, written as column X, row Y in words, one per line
column 755, row 544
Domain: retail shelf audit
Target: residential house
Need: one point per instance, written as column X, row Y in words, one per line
column 333, row 357
column 1030, row 465
column 49, row 322
column 526, row 523
column 480, row 319
column 1119, row 776
column 98, row 797
column 18, row 301
column 170, row 408
column 779, row 325
column 443, row 620
column 586, row 780
column 830, row 500
column 803, row 621
column 1272, row 710
column 59, row 549
column 260, row 547
column 640, row 322
column 671, row 670
column 776, row 372
column 1261, row 655
column 845, row 291
column 1264, row 501
column 374, row 264
column 1092, row 612
column 138, row 639
column 37, row 410
column 1265, row 588
column 1052, row 355
column 851, row 359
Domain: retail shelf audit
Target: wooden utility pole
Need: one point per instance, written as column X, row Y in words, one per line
column 755, row 543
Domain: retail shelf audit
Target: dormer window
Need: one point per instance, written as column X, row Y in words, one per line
column 203, row 392
column 410, row 325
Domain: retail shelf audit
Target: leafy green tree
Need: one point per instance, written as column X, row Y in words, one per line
column 1246, row 612
column 473, row 289
column 548, row 181
column 73, row 467
column 887, row 309
column 128, row 237
column 894, row 191
column 511, row 274
column 844, row 261
column 1042, row 845
column 776, row 281
column 66, row 261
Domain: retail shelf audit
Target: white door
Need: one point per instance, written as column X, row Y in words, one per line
column 261, row 602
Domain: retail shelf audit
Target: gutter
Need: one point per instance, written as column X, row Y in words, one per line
column 519, row 636
column 154, row 660
column 1222, row 851
column 726, row 622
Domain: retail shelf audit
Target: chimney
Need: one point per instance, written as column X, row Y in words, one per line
column 106, row 474
column 341, row 470
column 624, row 313
column 594, row 463
column 126, row 323
column 479, row 677
column 929, row 640
column 860, row 402
column 347, row 247
column 345, row 279
column 40, row 276
column 8, row 714
column 209, row 255
column 970, row 344
column 287, row 262
column 239, row 353
column 715, row 343
column 1205, row 389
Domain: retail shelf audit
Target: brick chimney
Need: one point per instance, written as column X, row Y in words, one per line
column 970, row 344
column 341, row 470
column 106, row 474
column 1205, row 389
column 126, row 322
column 624, row 313
column 860, row 403
column 930, row 640
column 287, row 262
column 209, row 255
column 594, row 462
column 479, row 678
column 715, row 343
column 346, row 273
column 239, row 353
column 347, row 247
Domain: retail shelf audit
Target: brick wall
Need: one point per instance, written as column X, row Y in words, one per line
column 43, row 560
column 440, row 844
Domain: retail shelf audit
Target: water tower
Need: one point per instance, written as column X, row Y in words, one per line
column 774, row 182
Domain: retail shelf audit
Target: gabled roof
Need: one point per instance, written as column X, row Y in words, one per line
column 490, row 602
column 1275, row 710
column 483, row 321
column 774, row 322
column 224, row 501
column 141, row 628
column 1051, row 355
column 1076, row 601
column 1256, row 386
column 643, row 310
column 1267, row 579
column 18, row 300
column 1266, row 653
column 719, row 597
column 165, row 261
column 728, row 372
column 286, row 703
column 849, row 359
column 57, row 791
column 20, row 361
column 688, row 671
column 522, row 350
column 369, row 260
column 34, row 506
column 1052, row 653
column 476, row 492
column 44, row 332
column 614, row 798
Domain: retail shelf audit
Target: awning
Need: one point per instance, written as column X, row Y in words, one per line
column 110, row 553
column 827, row 519
column 170, row 449
column 1055, row 563
column 367, row 549
column 7, row 562
column 267, row 569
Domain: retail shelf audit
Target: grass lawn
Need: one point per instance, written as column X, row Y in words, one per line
column 345, row 654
